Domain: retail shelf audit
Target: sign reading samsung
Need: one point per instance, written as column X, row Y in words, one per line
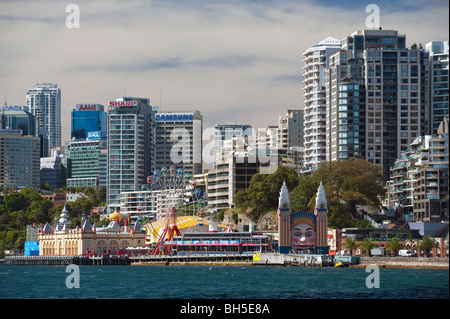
column 15, row 108
column 174, row 117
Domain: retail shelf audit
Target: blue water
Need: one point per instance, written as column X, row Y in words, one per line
column 220, row 282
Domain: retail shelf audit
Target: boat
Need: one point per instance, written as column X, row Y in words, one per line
column 341, row 264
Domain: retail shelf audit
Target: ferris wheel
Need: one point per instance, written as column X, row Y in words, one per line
column 174, row 183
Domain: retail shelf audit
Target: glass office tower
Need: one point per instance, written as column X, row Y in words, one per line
column 87, row 118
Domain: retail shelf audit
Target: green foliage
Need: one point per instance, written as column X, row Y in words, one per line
column 426, row 244
column 350, row 245
column 303, row 193
column 368, row 244
column 28, row 207
column 347, row 184
column 262, row 194
column 221, row 215
column 394, row 246
column 235, row 216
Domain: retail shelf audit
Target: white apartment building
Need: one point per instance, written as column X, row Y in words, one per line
column 268, row 138
column 44, row 102
column 315, row 64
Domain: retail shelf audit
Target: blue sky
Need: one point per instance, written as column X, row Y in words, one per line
column 235, row 61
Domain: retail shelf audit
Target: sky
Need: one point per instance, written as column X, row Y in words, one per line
column 234, row 61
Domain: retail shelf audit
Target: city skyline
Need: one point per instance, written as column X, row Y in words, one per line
column 234, row 61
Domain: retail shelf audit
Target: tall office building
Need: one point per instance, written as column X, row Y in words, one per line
column 53, row 168
column 87, row 150
column 87, row 118
column 87, row 162
column 439, row 83
column 17, row 117
column 179, row 141
column 130, row 139
column 377, row 97
column 234, row 169
column 315, row 64
column 44, row 102
column 19, row 148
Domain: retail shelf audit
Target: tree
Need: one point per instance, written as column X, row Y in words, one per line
column 368, row 244
column 46, row 187
column 350, row 245
column 303, row 193
column 394, row 246
column 262, row 194
column 348, row 184
column 426, row 244
column 19, row 219
column 221, row 215
column 235, row 218
column 15, row 202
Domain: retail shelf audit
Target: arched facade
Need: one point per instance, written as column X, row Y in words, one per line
column 78, row 242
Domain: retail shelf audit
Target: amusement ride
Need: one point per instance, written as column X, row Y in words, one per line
column 177, row 187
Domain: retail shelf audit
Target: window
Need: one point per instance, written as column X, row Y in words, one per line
column 404, row 71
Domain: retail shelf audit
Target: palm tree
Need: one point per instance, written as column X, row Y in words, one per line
column 368, row 244
column 350, row 244
column 394, row 246
column 426, row 244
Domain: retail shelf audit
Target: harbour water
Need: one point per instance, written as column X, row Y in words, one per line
column 220, row 282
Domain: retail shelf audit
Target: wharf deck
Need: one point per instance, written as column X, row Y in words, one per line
column 66, row 260
column 191, row 259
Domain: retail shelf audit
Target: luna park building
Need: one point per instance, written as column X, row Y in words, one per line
column 61, row 240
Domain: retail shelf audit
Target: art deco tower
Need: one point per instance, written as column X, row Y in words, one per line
column 284, row 221
column 321, row 212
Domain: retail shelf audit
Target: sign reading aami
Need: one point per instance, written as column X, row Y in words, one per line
column 89, row 107
column 174, row 117
column 123, row 103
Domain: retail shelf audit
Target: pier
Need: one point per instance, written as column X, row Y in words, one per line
column 126, row 260
column 256, row 259
column 307, row 260
column 67, row 260
column 191, row 259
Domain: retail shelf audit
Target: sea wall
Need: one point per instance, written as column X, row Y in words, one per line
column 405, row 262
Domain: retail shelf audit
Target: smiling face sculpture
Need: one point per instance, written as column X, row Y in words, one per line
column 303, row 232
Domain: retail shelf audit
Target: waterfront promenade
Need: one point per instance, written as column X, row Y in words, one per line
column 263, row 259
column 405, row 262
